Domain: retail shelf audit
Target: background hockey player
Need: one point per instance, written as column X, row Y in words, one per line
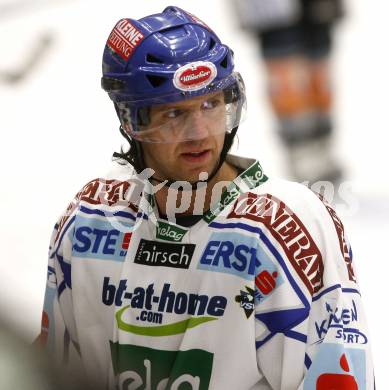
column 187, row 267
column 296, row 37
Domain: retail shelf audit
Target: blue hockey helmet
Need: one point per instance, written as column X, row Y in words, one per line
column 165, row 58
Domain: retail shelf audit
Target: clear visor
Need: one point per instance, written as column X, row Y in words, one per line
column 190, row 119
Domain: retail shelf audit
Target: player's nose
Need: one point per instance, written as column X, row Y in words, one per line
column 197, row 126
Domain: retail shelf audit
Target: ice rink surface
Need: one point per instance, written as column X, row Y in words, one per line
column 59, row 131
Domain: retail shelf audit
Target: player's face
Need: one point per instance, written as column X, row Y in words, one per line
column 203, row 121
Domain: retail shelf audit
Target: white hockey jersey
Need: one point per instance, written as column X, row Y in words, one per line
column 259, row 294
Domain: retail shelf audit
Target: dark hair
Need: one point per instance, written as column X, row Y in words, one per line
column 133, row 155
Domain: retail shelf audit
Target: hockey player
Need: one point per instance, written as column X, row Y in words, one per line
column 187, row 267
column 295, row 37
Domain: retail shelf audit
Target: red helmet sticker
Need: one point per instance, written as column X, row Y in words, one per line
column 124, row 39
column 194, row 76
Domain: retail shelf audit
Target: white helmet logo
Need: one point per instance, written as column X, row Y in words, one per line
column 194, row 76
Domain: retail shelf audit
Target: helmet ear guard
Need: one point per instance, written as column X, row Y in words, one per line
column 110, row 84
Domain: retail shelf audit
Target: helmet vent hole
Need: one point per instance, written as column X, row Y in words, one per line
column 212, row 43
column 156, row 81
column 224, row 63
column 153, row 59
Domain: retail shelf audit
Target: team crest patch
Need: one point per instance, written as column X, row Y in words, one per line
column 194, row 76
column 246, row 301
column 124, row 39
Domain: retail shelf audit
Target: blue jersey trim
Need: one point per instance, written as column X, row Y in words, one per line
column 61, row 288
column 107, row 214
column 296, row 336
column 307, row 361
column 335, row 287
